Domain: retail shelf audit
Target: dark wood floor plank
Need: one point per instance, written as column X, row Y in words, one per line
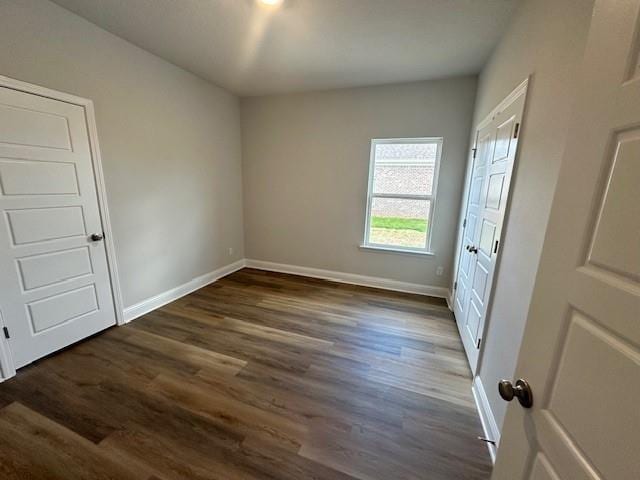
column 347, row 394
column 32, row 446
column 257, row 376
column 43, row 391
column 199, row 358
column 277, row 463
column 241, row 417
column 232, row 344
column 174, row 459
column 295, row 404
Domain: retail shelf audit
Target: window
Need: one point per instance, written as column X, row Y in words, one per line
column 403, row 175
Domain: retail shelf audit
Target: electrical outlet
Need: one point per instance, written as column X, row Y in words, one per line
column 230, row 251
column 439, row 271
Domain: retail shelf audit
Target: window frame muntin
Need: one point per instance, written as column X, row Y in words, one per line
column 432, row 198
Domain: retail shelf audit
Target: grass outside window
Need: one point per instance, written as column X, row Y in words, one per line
column 398, row 232
column 396, row 223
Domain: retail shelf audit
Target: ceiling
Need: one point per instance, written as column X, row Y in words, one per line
column 308, row 44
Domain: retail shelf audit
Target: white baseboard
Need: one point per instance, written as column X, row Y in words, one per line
column 146, row 306
column 5, row 376
column 351, row 278
column 450, row 300
column 489, row 425
column 157, row 301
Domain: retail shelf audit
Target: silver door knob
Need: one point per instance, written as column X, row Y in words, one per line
column 521, row 391
column 97, row 237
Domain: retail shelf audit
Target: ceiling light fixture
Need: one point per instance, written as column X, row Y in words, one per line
column 270, row 3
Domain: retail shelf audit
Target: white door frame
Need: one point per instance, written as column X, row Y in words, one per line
column 521, row 89
column 7, row 368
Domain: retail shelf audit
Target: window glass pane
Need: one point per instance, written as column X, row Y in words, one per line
column 399, row 222
column 404, row 168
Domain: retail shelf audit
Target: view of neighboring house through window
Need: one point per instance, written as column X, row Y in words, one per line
column 402, row 188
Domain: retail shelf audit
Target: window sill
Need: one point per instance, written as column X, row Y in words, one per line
column 376, row 248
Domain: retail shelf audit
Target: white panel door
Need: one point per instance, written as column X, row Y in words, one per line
column 496, row 146
column 484, row 151
column 581, row 347
column 54, row 279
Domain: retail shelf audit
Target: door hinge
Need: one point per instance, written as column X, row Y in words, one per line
column 474, row 150
column 478, row 343
column 495, row 247
column 464, row 223
column 455, row 285
column 516, row 130
column 5, row 330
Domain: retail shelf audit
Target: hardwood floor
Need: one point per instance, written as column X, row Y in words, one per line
column 258, row 376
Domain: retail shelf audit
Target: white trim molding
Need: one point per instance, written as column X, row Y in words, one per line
column 489, row 425
column 521, row 89
column 6, row 360
column 351, row 278
column 375, row 248
column 157, row 301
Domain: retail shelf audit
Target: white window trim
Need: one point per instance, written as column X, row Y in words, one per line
column 433, row 197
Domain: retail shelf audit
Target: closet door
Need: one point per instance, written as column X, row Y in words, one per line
column 497, row 143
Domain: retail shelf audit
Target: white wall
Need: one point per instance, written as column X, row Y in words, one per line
column 170, row 143
column 305, row 164
column 545, row 38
